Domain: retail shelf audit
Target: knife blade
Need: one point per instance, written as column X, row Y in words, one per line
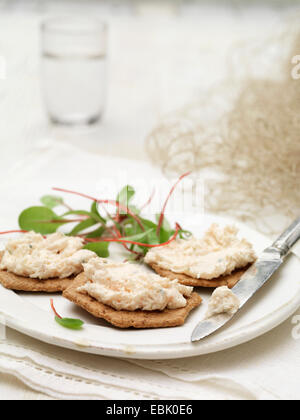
column 254, row 278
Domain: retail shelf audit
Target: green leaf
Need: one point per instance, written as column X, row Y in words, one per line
column 131, row 227
column 165, row 235
column 72, row 324
column 39, row 219
column 140, row 237
column 165, row 232
column 153, row 238
column 125, row 196
column 148, row 223
column 134, row 210
column 95, row 213
column 77, row 212
column 52, row 201
column 165, row 225
column 82, row 226
column 185, row 234
column 100, row 248
column 96, row 233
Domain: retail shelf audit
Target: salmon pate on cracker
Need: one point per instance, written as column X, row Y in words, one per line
column 219, row 258
column 37, row 263
column 128, row 295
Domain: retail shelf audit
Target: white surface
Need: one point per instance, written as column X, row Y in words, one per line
column 157, row 64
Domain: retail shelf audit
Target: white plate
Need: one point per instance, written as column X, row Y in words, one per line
column 31, row 315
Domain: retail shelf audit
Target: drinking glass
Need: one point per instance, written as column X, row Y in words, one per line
column 74, row 69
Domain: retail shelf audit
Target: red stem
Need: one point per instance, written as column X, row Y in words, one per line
column 149, row 201
column 162, row 214
column 112, row 202
column 53, row 309
column 63, row 220
column 13, row 231
column 118, row 233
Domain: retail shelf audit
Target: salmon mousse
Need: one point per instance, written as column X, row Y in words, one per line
column 37, row 263
column 219, row 258
column 129, row 295
column 222, row 301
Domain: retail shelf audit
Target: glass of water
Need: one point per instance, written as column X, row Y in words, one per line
column 74, row 69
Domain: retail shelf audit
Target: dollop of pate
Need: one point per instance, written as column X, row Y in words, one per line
column 127, row 286
column 222, row 301
column 218, row 253
column 56, row 256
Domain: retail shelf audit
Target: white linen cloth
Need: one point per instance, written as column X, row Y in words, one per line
column 268, row 367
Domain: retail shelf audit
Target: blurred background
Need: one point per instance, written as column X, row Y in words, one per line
column 161, row 56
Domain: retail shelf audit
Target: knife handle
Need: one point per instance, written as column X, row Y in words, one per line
column 288, row 239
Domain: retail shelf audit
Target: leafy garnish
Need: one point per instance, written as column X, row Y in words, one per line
column 78, row 213
column 162, row 214
column 98, row 226
column 39, row 219
column 52, row 201
column 70, row 323
column 100, row 248
column 85, row 224
column 95, row 213
column 125, row 195
column 140, row 236
column 97, row 233
column 165, row 224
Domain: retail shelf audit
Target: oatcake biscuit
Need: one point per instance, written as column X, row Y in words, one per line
column 126, row 319
column 230, row 280
column 26, row 284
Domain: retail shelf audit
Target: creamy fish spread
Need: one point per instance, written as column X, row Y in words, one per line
column 218, row 253
column 126, row 286
column 222, row 301
column 56, row 256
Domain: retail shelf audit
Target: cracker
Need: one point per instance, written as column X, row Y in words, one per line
column 230, row 281
column 26, row 284
column 127, row 319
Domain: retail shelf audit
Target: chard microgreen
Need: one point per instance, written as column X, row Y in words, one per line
column 165, row 224
column 77, row 213
column 96, row 233
column 100, row 248
column 39, row 219
column 126, row 226
column 140, row 236
column 126, row 195
column 162, row 214
column 70, row 323
column 185, row 234
column 52, row 201
column 95, row 213
column 85, row 224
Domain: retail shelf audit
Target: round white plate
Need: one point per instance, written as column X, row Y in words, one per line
column 273, row 304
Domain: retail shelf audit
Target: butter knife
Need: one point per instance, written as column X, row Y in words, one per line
column 254, row 278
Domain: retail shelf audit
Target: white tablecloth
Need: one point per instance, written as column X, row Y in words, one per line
column 266, row 368
column 156, row 65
